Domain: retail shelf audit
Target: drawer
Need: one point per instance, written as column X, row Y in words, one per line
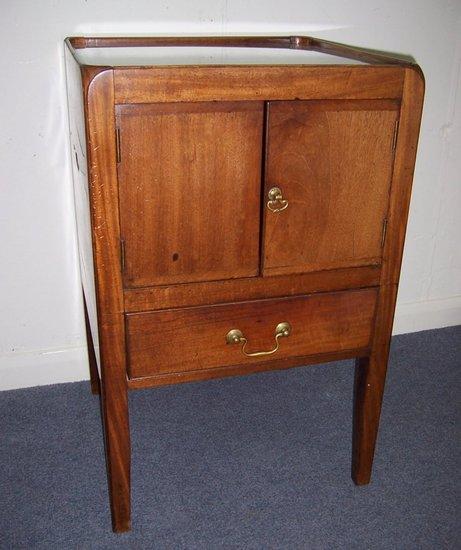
column 197, row 338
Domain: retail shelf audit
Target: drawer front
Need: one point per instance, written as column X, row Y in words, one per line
column 197, row 338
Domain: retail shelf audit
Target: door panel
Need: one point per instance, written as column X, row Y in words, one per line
column 189, row 178
column 332, row 161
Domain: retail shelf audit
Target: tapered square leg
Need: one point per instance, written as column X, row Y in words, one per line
column 114, row 403
column 115, row 417
column 370, row 376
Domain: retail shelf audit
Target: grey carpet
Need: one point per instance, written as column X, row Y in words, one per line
column 252, row 462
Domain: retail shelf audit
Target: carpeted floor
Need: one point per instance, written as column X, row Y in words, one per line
column 253, row 462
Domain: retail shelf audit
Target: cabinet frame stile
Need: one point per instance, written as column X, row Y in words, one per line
column 103, row 191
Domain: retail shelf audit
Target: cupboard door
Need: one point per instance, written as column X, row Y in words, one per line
column 332, row 162
column 189, row 178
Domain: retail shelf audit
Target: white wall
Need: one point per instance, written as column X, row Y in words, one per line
column 41, row 327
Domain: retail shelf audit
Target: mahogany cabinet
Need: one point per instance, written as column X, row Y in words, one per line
column 241, row 206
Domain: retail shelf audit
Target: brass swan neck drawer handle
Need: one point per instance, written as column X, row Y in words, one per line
column 276, row 202
column 235, row 336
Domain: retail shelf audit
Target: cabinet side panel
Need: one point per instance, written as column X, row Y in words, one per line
column 402, row 180
column 79, row 164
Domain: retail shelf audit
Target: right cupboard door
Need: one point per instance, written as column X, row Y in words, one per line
column 327, row 182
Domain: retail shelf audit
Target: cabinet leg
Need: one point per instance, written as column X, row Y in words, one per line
column 370, row 375
column 94, row 374
column 114, row 404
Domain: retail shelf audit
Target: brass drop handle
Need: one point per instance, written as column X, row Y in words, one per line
column 235, row 336
column 276, row 202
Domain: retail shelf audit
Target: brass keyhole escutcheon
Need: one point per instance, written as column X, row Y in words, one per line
column 276, row 202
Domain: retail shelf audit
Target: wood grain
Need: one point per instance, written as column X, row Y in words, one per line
column 333, row 162
column 189, row 194
column 287, row 42
column 195, row 338
column 371, row 370
column 251, row 288
column 105, row 229
column 239, row 83
column 80, row 42
column 402, row 180
column 369, row 382
column 353, row 52
column 189, row 199
column 242, row 370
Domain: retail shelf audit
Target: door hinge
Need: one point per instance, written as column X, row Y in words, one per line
column 383, row 235
column 122, row 254
column 117, row 144
column 394, row 137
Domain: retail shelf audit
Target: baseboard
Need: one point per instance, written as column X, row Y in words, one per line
column 43, row 367
column 431, row 314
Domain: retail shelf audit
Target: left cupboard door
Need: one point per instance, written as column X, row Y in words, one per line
column 189, row 190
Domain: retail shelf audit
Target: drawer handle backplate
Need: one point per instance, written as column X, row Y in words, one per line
column 235, row 336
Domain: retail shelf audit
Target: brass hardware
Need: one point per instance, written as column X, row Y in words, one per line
column 117, row 144
column 383, row 235
column 276, row 202
column 235, row 336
